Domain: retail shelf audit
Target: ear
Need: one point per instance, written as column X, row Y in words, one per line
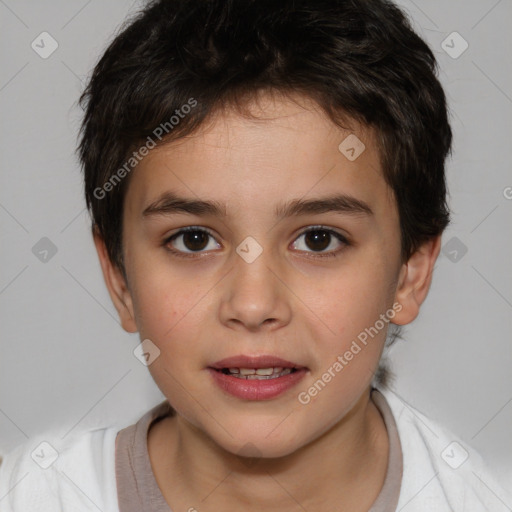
column 415, row 279
column 117, row 286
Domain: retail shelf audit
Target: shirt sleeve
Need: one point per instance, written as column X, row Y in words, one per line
column 441, row 471
column 46, row 474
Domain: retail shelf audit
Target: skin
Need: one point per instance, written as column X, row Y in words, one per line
column 330, row 454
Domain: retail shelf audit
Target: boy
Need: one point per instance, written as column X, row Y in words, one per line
column 303, row 144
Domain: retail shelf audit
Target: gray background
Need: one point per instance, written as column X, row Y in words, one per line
column 65, row 362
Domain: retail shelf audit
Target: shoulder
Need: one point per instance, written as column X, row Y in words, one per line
column 47, row 473
column 440, row 471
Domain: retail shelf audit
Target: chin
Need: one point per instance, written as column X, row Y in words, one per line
column 256, row 445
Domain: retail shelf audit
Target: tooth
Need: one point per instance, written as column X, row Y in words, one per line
column 264, row 371
column 259, row 373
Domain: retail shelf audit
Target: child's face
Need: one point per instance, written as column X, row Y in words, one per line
column 287, row 303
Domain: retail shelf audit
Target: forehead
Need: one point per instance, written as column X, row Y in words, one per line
column 288, row 148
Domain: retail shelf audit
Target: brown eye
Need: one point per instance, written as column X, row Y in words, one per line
column 318, row 239
column 189, row 240
column 195, row 240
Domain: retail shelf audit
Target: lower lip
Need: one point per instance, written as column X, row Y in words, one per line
column 254, row 389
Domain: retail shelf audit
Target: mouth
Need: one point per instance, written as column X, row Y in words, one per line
column 261, row 362
column 256, row 377
column 258, row 373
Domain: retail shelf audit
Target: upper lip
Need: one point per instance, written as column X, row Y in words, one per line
column 262, row 361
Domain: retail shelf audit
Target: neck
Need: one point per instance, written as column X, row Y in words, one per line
column 345, row 466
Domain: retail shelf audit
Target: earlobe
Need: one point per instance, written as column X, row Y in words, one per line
column 415, row 279
column 117, row 286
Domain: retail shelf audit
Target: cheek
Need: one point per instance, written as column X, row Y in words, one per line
column 348, row 301
column 172, row 320
column 163, row 306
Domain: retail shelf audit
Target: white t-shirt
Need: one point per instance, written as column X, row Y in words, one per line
column 440, row 472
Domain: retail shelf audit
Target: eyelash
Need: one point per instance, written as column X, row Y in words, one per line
column 180, row 254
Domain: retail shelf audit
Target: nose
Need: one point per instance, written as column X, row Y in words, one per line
column 255, row 296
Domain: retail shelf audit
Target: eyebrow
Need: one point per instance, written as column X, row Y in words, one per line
column 170, row 203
